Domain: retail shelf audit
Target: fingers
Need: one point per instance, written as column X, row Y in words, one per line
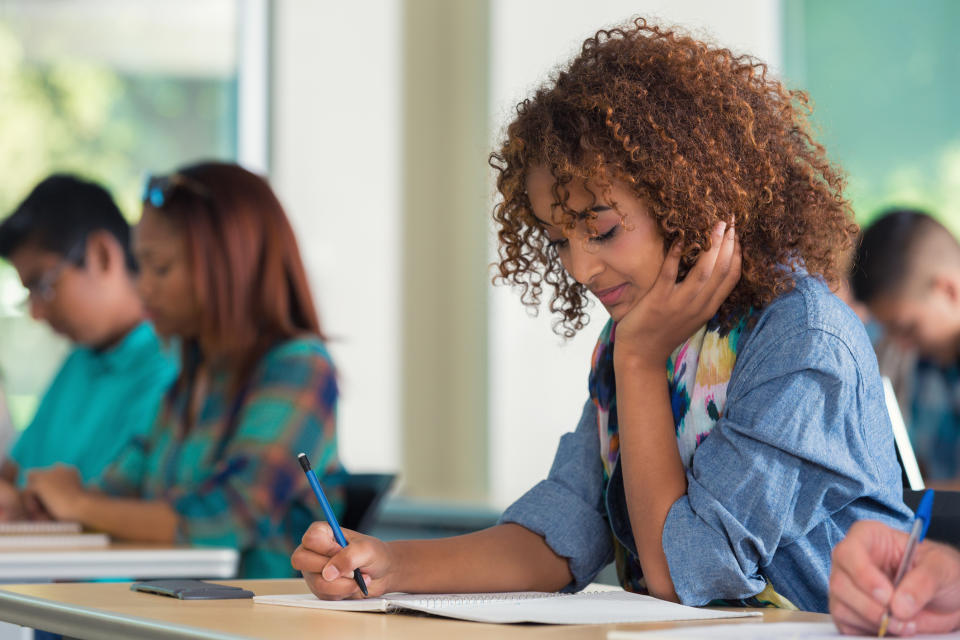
column 667, row 279
column 849, row 621
column 731, row 258
column 328, row 568
column 715, row 273
column 33, row 506
column 932, row 584
column 358, row 555
column 320, row 539
column 863, row 560
column 332, row 577
column 860, row 608
column 340, row 589
column 918, row 587
column 703, row 272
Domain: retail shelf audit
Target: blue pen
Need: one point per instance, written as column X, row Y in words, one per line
column 919, row 531
column 328, row 514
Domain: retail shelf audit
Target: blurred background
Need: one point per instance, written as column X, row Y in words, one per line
column 373, row 120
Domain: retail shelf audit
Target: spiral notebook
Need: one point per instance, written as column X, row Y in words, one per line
column 586, row 607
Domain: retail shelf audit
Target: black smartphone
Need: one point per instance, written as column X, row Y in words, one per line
column 190, row 589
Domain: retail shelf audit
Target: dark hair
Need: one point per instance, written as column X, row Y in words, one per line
column 886, row 252
column 58, row 216
column 243, row 260
column 700, row 135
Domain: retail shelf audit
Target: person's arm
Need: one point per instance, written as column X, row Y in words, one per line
column 64, row 497
column 506, row 557
column 554, row 537
column 861, row 589
column 653, row 474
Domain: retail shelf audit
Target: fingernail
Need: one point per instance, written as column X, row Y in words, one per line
column 909, row 629
column 881, row 595
column 905, row 602
column 330, row 574
column 894, row 626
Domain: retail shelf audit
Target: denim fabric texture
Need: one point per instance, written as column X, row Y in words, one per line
column 804, row 449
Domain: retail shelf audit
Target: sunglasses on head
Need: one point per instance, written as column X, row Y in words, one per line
column 158, row 189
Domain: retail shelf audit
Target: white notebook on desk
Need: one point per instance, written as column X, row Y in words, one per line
column 530, row 606
column 43, row 534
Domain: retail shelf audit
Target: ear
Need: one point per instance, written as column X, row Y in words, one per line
column 949, row 286
column 103, row 252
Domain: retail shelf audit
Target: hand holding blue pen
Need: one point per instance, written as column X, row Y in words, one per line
column 329, row 515
column 917, row 534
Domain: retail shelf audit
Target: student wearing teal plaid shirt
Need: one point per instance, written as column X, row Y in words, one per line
column 220, row 270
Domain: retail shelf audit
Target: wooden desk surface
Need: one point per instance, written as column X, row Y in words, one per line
column 113, row 611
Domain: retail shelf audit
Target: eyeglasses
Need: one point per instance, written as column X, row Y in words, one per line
column 158, row 189
column 44, row 289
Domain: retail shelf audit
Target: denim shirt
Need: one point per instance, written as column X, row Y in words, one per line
column 804, row 449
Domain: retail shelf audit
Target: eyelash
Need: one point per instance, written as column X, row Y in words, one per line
column 561, row 243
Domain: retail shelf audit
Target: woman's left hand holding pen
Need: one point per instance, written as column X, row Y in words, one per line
column 328, row 568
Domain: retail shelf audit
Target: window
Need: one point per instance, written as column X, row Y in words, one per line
column 882, row 75
column 109, row 89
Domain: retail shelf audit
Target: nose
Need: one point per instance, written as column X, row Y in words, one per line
column 582, row 263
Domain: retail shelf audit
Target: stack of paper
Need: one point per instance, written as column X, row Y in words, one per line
column 47, row 535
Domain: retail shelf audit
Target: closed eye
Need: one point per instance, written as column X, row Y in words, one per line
column 603, row 237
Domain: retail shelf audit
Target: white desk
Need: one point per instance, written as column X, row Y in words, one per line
column 119, row 560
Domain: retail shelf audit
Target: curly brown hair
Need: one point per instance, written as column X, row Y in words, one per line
column 700, row 135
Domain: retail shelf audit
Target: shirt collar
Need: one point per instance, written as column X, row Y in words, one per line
column 129, row 351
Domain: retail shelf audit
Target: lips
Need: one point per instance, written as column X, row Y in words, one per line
column 612, row 295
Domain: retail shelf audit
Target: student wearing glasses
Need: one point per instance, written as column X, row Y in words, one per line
column 71, row 248
column 220, row 270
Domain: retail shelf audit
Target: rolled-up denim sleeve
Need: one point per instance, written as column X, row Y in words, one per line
column 567, row 508
column 789, row 452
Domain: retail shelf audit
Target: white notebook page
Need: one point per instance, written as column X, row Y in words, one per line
column 546, row 608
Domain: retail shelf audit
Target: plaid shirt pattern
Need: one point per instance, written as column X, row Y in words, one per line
column 247, row 490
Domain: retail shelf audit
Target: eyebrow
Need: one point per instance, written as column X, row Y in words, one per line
column 581, row 215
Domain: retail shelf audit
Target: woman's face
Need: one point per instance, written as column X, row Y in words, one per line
column 164, row 282
column 619, row 262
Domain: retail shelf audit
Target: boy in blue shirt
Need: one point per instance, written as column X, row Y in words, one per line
column 70, row 246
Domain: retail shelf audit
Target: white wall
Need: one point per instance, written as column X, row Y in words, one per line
column 336, row 128
column 537, row 383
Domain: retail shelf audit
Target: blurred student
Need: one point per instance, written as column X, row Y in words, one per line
column 927, row 600
column 70, row 246
column 907, row 272
column 735, row 425
column 221, row 271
